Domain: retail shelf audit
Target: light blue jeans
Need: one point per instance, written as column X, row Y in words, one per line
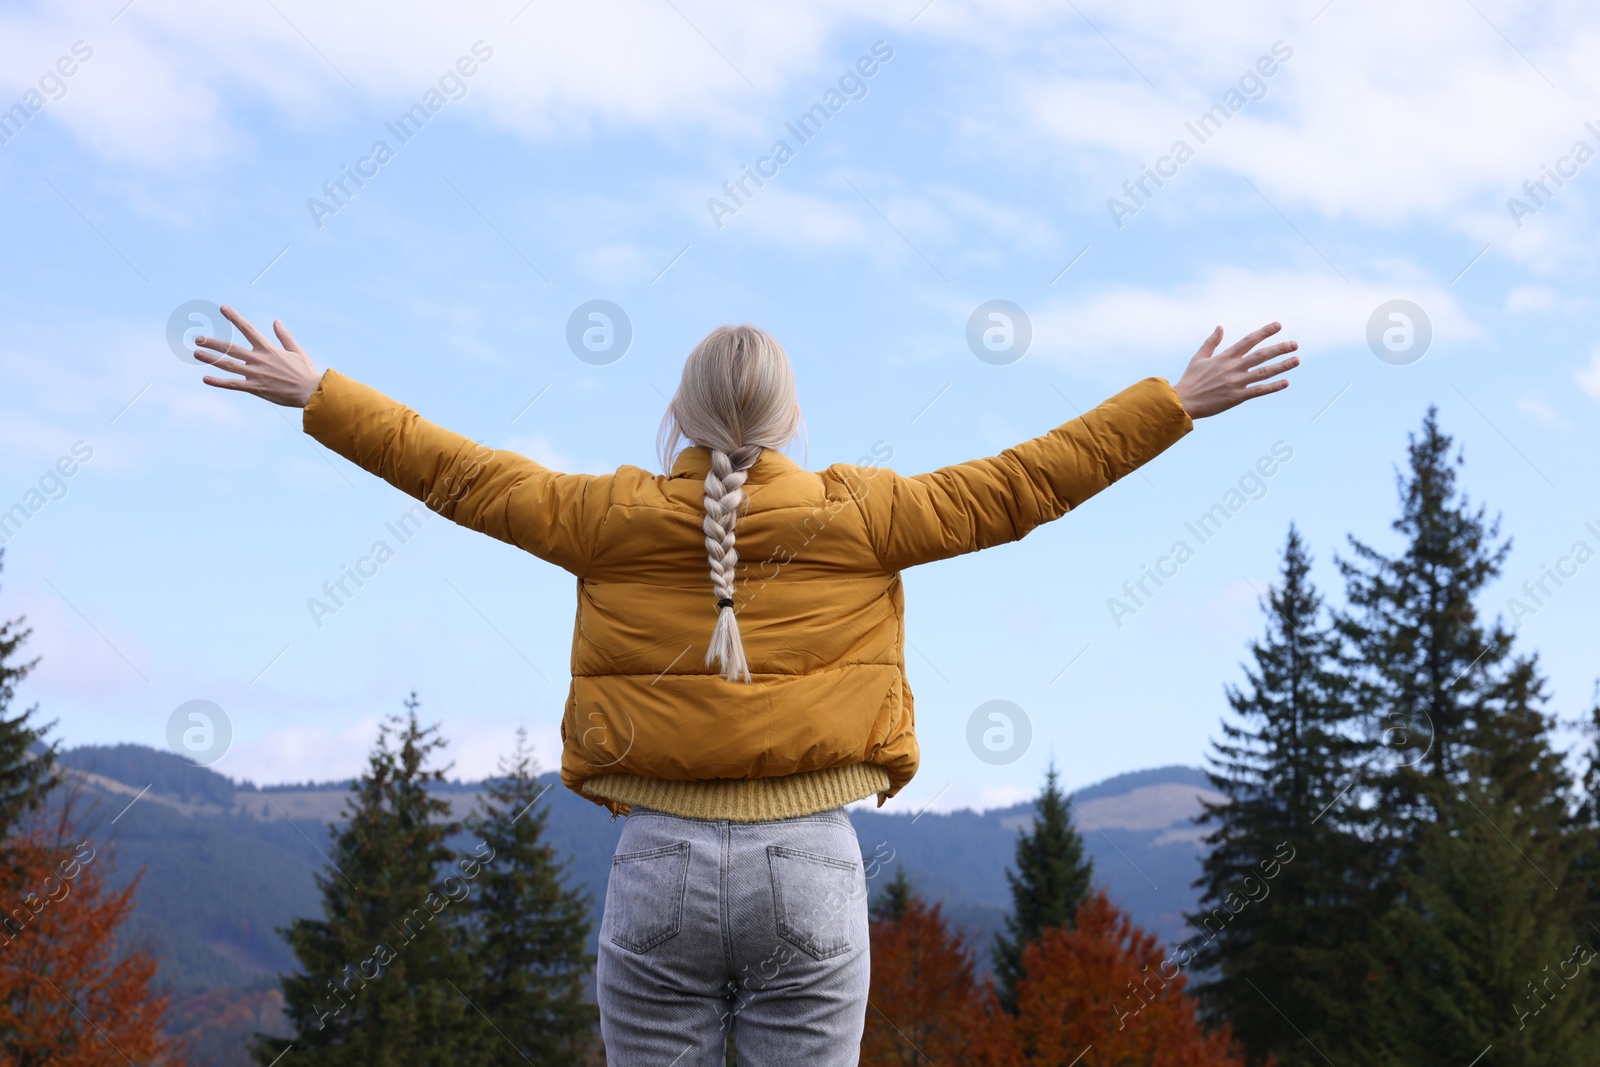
column 760, row 928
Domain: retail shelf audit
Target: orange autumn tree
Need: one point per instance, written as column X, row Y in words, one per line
column 924, row 1000
column 1101, row 993
column 68, row 996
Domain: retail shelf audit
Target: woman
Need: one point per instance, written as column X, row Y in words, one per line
column 732, row 719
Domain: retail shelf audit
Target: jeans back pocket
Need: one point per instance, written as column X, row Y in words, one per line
column 645, row 898
column 815, row 898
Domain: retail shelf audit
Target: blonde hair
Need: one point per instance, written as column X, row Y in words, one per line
column 736, row 398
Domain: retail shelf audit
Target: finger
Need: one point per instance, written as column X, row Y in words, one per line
column 1209, row 345
column 1272, row 370
column 1264, row 388
column 285, row 338
column 251, row 334
column 227, row 383
column 232, row 366
column 227, row 348
column 1261, row 355
column 1250, row 340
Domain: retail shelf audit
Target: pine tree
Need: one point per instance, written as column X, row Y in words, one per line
column 385, row 973
column 27, row 763
column 1283, row 879
column 529, row 929
column 1051, row 880
column 1471, row 804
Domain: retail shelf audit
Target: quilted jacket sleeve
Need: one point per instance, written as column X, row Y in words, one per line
column 986, row 502
column 499, row 493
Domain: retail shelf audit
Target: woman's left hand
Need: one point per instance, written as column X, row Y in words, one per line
column 282, row 373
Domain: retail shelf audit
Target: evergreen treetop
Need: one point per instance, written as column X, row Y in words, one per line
column 890, row 905
column 1424, row 661
column 1051, row 880
column 27, row 763
column 385, row 974
column 529, row 930
column 1283, row 878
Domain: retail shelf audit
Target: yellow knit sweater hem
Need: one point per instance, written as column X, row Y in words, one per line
column 744, row 799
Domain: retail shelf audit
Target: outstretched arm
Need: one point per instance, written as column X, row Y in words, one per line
column 987, row 502
column 503, row 494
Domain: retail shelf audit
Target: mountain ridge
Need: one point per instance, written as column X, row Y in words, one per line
column 224, row 864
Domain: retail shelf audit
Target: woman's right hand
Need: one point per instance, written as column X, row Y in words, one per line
column 282, row 374
column 1216, row 381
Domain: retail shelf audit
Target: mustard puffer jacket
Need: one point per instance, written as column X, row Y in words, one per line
column 819, row 598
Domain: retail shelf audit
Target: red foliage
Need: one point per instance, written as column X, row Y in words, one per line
column 925, row 1001
column 1098, row 995
column 68, row 997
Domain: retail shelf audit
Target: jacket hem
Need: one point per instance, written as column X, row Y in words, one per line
column 742, row 799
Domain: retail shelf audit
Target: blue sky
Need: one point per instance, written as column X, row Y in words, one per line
column 576, row 162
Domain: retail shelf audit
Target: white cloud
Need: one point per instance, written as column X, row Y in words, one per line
column 1317, row 309
column 957, row 796
column 1358, row 124
column 145, row 98
column 303, row 753
column 331, row 752
column 1539, row 411
column 1529, row 298
column 779, row 214
column 98, row 662
column 1588, row 379
column 1002, row 796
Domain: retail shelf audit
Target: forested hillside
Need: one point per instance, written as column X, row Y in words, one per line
column 226, row 864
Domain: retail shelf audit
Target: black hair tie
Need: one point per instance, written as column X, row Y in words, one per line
column 725, row 602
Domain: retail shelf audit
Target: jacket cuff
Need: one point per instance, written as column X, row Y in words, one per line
column 1183, row 423
column 342, row 412
column 312, row 415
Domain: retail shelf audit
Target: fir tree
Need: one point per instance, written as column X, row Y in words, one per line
column 1586, row 830
column 1471, row 806
column 384, row 973
column 890, row 905
column 1478, row 950
column 1424, row 661
column 529, row 929
column 27, row 763
column 1440, row 684
column 1282, row 878
column 1050, row 882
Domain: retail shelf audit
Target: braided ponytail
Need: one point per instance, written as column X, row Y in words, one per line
column 737, row 397
column 724, row 495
